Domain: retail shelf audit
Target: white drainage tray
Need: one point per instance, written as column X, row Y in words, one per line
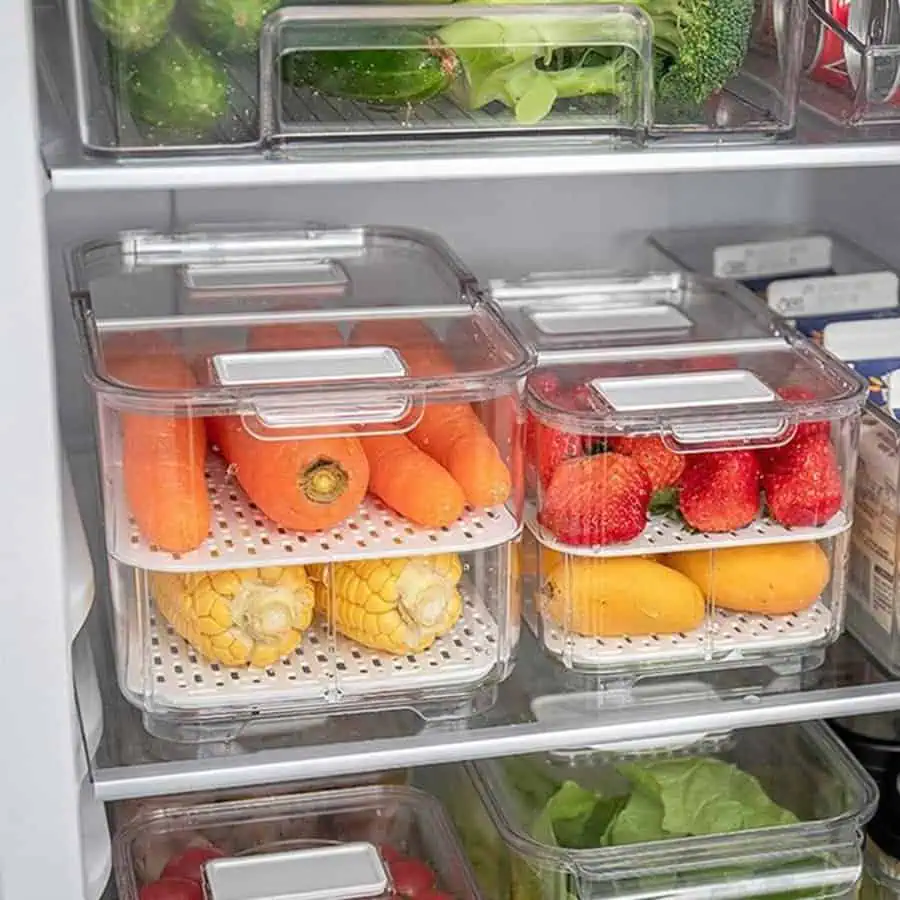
column 665, row 535
column 729, row 635
column 179, row 678
column 242, row 537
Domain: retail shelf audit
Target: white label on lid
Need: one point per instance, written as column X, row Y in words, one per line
column 683, row 390
column 830, row 295
column 763, row 258
column 655, row 317
column 307, row 366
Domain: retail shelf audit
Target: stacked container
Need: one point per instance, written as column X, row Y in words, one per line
column 247, row 76
column 690, row 469
column 332, row 845
column 759, row 813
column 309, row 452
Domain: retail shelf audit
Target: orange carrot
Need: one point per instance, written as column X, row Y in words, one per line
column 163, row 457
column 302, row 479
column 411, row 482
column 450, row 433
column 295, row 336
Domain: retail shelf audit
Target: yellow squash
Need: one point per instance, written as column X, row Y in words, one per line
column 603, row 597
column 772, row 579
column 237, row 617
column 397, row 605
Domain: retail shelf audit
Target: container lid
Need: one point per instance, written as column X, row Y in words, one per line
column 693, row 358
column 779, row 810
column 384, row 316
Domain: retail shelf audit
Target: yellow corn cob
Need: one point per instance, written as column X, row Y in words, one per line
column 396, row 605
column 237, row 617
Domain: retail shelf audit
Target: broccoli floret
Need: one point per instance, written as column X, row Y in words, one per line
column 705, row 42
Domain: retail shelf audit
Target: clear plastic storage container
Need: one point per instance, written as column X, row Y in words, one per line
column 808, row 275
column 236, row 74
column 690, row 467
column 851, row 62
column 767, row 812
column 309, row 450
column 332, row 845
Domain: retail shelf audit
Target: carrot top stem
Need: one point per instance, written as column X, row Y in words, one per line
column 324, row 480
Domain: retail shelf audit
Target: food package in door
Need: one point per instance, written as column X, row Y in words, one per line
column 689, row 471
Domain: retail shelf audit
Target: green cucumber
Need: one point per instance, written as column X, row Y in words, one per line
column 391, row 76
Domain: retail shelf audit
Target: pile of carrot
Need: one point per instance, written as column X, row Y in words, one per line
column 306, row 479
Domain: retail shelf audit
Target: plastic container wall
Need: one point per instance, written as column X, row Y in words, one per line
column 403, row 823
column 216, row 75
column 689, row 466
column 534, row 825
column 304, row 510
column 805, row 274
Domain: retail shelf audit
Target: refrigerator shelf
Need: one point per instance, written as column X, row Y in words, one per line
column 183, row 680
column 664, row 535
column 734, row 634
column 241, row 537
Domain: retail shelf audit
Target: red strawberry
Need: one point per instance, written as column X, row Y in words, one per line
column 720, row 491
column 663, row 465
column 599, row 499
column 551, row 447
column 802, row 481
column 797, row 393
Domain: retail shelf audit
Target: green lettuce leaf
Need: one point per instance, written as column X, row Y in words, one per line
column 706, row 796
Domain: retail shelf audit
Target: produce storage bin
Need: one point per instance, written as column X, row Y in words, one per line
column 269, row 406
column 772, row 812
column 210, row 75
column 807, row 275
column 353, row 843
column 663, row 412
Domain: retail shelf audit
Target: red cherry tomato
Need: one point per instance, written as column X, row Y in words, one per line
column 411, row 877
column 189, row 864
column 172, row 889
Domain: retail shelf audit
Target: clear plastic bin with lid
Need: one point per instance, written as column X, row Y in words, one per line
column 689, row 467
column 309, row 451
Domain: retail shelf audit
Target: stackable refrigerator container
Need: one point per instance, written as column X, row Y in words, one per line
column 296, row 353
column 256, row 76
column 352, row 842
column 672, row 522
column 811, row 846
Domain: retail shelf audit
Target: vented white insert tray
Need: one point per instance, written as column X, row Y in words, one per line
column 242, row 537
column 665, row 535
column 731, row 635
column 179, row 678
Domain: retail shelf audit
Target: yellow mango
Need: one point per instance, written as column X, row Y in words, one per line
column 602, row 597
column 772, row 579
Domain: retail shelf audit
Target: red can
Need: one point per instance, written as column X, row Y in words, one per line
column 824, row 57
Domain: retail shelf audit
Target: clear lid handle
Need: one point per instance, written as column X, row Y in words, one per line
column 688, row 391
column 351, row 871
column 308, row 368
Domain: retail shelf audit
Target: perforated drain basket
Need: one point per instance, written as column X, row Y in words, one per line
column 266, row 560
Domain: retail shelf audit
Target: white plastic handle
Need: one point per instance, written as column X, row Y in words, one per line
column 352, row 871
column 308, row 368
